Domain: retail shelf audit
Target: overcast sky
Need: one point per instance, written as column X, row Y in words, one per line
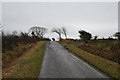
column 98, row 18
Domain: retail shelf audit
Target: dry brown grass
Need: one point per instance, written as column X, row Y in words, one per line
column 10, row 55
column 28, row 65
column 111, row 68
column 108, row 49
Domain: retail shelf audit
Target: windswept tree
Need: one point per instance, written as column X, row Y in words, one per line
column 95, row 37
column 64, row 31
column 85, row 36
column 117, row 34
column 38, row 31
column 58, row 31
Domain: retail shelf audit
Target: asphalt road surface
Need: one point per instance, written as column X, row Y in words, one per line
column 60, row 63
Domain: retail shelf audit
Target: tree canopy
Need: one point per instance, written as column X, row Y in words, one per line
column 38, row 31
column 85, row 36
column 58, row 31
column 64, row 31
column 117, row 34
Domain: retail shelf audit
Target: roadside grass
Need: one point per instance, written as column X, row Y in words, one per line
column 9, row 56
column 110, row 68
column 28, row 65
column 108, row 49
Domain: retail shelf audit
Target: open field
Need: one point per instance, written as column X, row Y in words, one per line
column 28, row 65
column 111, row 68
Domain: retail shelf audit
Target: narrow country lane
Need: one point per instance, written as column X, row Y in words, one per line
column 59, row 63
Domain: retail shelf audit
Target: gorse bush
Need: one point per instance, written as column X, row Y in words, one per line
column 14, row 45
column 10, row 41
column 108, row 49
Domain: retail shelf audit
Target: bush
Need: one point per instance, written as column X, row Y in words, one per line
column 108, row 49
column 14, row 45
column 10, row 41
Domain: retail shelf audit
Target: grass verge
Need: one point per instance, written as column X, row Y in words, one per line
column 112, row 69
column 9, row 56
column 28, row 65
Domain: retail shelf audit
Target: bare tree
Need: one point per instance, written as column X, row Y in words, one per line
column 38, row 31
column 58, row 31
column 64, row 31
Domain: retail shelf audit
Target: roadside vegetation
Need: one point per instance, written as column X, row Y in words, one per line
column 111, row 68
column 22, row 53
column 28, row 65
column 107, row 49
column 18, row 60
column 15, row 44
column 100, row 53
